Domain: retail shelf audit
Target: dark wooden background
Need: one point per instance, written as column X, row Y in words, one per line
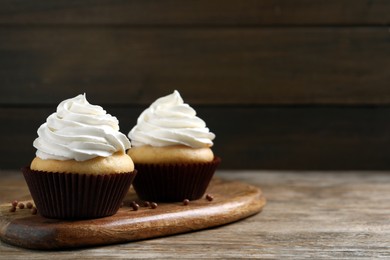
column 284, row 84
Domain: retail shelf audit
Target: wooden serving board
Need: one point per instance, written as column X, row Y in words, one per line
column 232, row 201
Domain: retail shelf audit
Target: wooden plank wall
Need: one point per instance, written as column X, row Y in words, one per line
column 284, row 84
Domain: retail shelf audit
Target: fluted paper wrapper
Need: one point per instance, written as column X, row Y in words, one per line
column 77, row 196
column 173, row 182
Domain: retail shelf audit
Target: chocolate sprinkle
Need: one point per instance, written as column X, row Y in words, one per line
column 29, row 205
column 186, row 202
column 34, row 211
column 21, row 205
column 135, row 206
column 209, row 197
column 13, row 209
column 153, row 205
column 14, row 203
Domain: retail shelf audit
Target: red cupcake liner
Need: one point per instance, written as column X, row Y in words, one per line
column 173, row 182
column 77, row 196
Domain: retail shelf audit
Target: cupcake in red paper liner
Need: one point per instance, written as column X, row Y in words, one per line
column 171, row 152
column 81, row 169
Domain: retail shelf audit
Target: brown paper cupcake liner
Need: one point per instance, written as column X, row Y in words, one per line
column 173, row 182
column 77, row 196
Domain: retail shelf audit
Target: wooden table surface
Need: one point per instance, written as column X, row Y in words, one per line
column 308, row 215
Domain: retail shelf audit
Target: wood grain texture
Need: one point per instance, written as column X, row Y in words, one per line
column 236, row 66
column 195, row 12
column 232, row 201
column 248, row 137
column 309, row 215
column 258, row 57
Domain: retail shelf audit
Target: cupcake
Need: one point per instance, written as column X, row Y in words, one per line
column 171, row 152
column 81, row 169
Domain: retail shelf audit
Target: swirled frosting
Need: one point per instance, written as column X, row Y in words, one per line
column 169, row 121
column 79, row 131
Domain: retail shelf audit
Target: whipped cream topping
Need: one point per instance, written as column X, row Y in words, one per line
column 169, row 121
column 79, row 131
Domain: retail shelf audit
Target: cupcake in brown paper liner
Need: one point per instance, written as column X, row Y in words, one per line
column 81, row 169
column 171, row 151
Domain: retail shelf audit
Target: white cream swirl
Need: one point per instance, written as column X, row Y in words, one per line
column 168, row 121
column 79, row 131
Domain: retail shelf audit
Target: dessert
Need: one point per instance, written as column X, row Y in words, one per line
column 171, row 151
column 81, row 169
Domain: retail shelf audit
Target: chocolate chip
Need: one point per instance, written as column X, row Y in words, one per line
column 153, row 205
column 21, row 205
column 34, row 211
column 29, row 205
column 135, row 206
column 12, row 209
column 186, row 202
column 146, row 204
column 209, row 197
column 14, row 203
